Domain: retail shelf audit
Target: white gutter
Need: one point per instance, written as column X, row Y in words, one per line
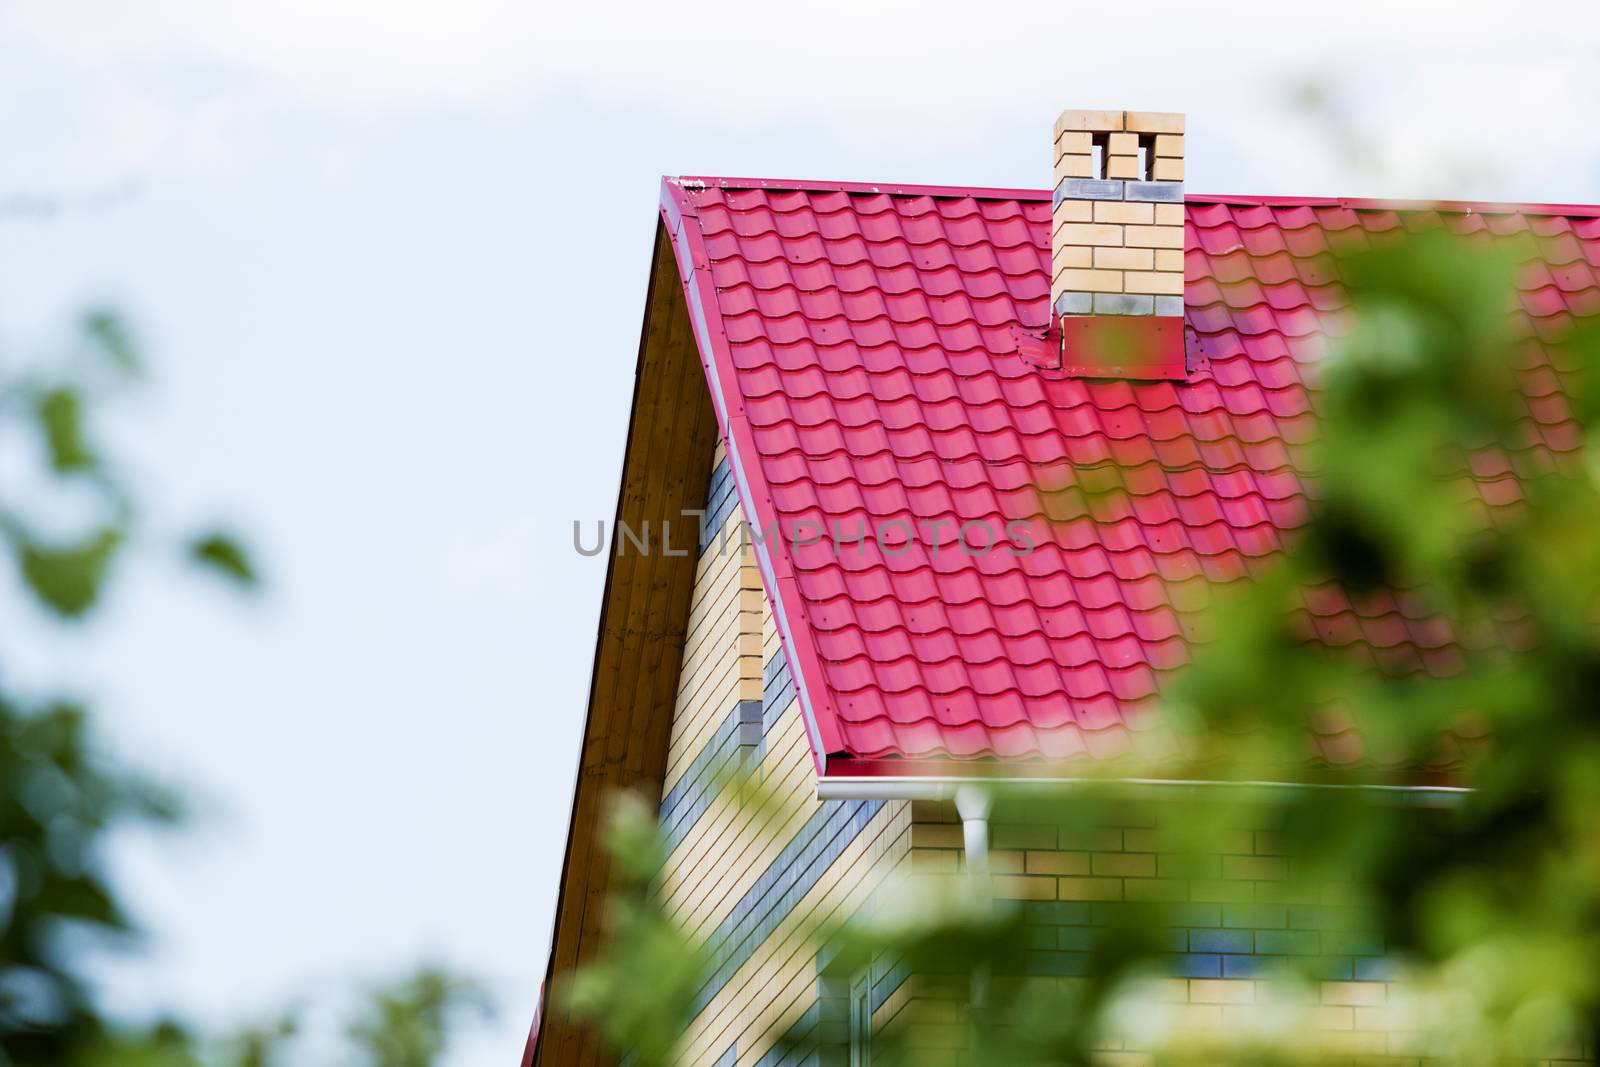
column 934, row 788
column 886, row 788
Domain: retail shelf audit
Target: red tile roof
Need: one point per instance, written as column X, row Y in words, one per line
column 860, row 348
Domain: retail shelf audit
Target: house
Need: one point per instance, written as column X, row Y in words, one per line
column 898, row 380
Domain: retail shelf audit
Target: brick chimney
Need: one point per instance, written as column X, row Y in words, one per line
column 1117, row 226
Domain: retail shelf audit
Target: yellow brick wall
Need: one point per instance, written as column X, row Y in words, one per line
column 722, row 855
column 714, row 672
column 1056, row 873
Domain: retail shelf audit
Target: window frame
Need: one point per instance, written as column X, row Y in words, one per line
column 861, row 1020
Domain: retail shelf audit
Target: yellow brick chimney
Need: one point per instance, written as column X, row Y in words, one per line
column 1117, row 223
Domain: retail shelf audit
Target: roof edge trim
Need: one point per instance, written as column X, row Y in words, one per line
column 887, row 188
column 1359, row 203
column 749, row 482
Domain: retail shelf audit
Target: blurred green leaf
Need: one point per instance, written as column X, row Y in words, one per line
column 69, row 579
column 645, row 942
column 406, row 1023
column 633, row 838
column 263, row 1045
column 60, row 415
column 163, row 1045
column 106, row 331
column 225, row 556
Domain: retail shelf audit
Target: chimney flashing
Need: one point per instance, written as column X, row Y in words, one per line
column 1154, row 192
column 1087, row 189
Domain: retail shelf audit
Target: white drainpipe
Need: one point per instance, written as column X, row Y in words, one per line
column 973, row 804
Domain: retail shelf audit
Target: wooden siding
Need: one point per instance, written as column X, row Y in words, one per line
column 639, row 648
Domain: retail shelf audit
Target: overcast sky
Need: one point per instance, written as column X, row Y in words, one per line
column 389, row 260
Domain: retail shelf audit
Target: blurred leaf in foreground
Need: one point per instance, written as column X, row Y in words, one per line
column 60, row 414
column 407, row 1023
column 225, row 556
column 646, row 942
column 106, row 330
column 69, row 579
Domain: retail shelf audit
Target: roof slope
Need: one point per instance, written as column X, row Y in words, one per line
column 860, row 347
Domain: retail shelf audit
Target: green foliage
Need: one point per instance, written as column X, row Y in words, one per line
column 67, row 572
column 1486, row 900
column 262, row 1045
column 59, row 799
column 60, row 414
column 645, row 1017
column 105, row 329
column 68, row 578
column 1492, row 905
column 61, row 795
column 225, row 555
column 406, row 1024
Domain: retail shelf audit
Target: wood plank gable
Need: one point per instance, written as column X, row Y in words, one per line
column 644, row 616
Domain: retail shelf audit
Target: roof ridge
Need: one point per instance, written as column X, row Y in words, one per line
column 979, row 192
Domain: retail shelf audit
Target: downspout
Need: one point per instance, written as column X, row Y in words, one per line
column 973, row 804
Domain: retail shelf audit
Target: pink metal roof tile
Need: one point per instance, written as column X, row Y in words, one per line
column 859, row 340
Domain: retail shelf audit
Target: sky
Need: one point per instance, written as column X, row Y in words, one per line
column 388, row 262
